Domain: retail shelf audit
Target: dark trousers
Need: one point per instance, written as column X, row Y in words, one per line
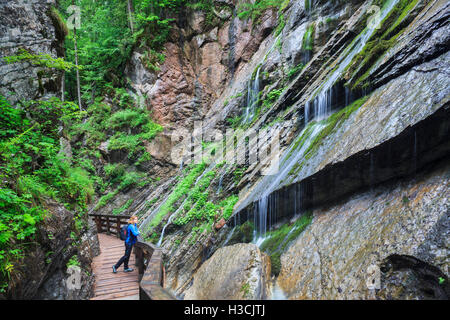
column 126, row 257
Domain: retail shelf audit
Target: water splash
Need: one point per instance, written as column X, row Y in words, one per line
column 277, row 293
column 164, row 229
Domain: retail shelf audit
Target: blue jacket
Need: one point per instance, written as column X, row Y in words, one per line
column 132, row 233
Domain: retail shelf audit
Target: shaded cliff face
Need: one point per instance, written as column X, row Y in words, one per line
column 29, row 25
column 330, row 259
column 347, row 100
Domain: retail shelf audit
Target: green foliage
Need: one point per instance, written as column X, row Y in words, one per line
column 255, row 10
column 124, row 207
column 181, row 189
column 295, row 70
column 31, row 171
column 207, row 6
column 42, row 60
column 105, row 199
column 238, row 173
column 127, row 118
column 271, row 97
column 235, row 121
column 73, row 261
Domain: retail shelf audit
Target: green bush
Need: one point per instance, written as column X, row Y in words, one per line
column 32, row 171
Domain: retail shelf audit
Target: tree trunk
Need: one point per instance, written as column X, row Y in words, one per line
column 130, row 15
column 63, row 85
column 76, row 64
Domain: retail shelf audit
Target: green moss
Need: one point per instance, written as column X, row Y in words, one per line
column 278, row 240
column 307, row 5
column 58, row 22
column 332, row 123
column 383, row 39
column 275, row 262
column 180, row 191
column 405, row 7
column 243, row 234
column 281, row 25
column 124, row 207
column 308, row 38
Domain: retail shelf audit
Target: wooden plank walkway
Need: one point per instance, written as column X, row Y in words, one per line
column 109, row 285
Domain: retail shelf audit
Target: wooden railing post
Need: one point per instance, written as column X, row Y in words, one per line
column 107, row 225
column 98, row 223
column 118, row 226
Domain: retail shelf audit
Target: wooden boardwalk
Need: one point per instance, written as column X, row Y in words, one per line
column 109, row 285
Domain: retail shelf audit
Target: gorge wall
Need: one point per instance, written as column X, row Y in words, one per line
column 374, row 183
column 361, row 111
column 42, row 272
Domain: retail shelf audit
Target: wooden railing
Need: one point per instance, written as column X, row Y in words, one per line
column 109, row 224
column 148, row 259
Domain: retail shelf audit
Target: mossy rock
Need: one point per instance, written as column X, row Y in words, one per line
column 243, row 234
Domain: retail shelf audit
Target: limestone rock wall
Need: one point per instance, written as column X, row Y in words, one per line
column 27, row 24
column 246, row 276
column 331, row 257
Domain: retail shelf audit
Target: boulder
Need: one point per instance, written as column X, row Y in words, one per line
column 245, row 276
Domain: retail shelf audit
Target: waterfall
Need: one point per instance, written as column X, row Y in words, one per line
column 229, row 236
column 264, row 211
column 164, row 229
column 181, row 165
column 308, row 6
column 277, row 293
column 252, row 97
column 308, row 44
column 219, row 187
column 253, row 87
column 319, row 107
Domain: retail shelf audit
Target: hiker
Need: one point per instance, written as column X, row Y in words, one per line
column 132, row 233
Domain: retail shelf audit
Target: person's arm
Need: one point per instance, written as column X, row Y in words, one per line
column 134, row 230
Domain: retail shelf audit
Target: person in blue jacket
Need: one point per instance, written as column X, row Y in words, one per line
column 132, row 233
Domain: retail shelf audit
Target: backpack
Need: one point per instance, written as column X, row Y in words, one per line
column 123, row 233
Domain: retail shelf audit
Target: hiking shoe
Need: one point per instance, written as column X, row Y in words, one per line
column 114, row 269
column 128, row 270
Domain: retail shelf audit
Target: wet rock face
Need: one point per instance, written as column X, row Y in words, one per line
column 407, row 277
column 26, row 24
column 330, row 259
column 243, row 277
